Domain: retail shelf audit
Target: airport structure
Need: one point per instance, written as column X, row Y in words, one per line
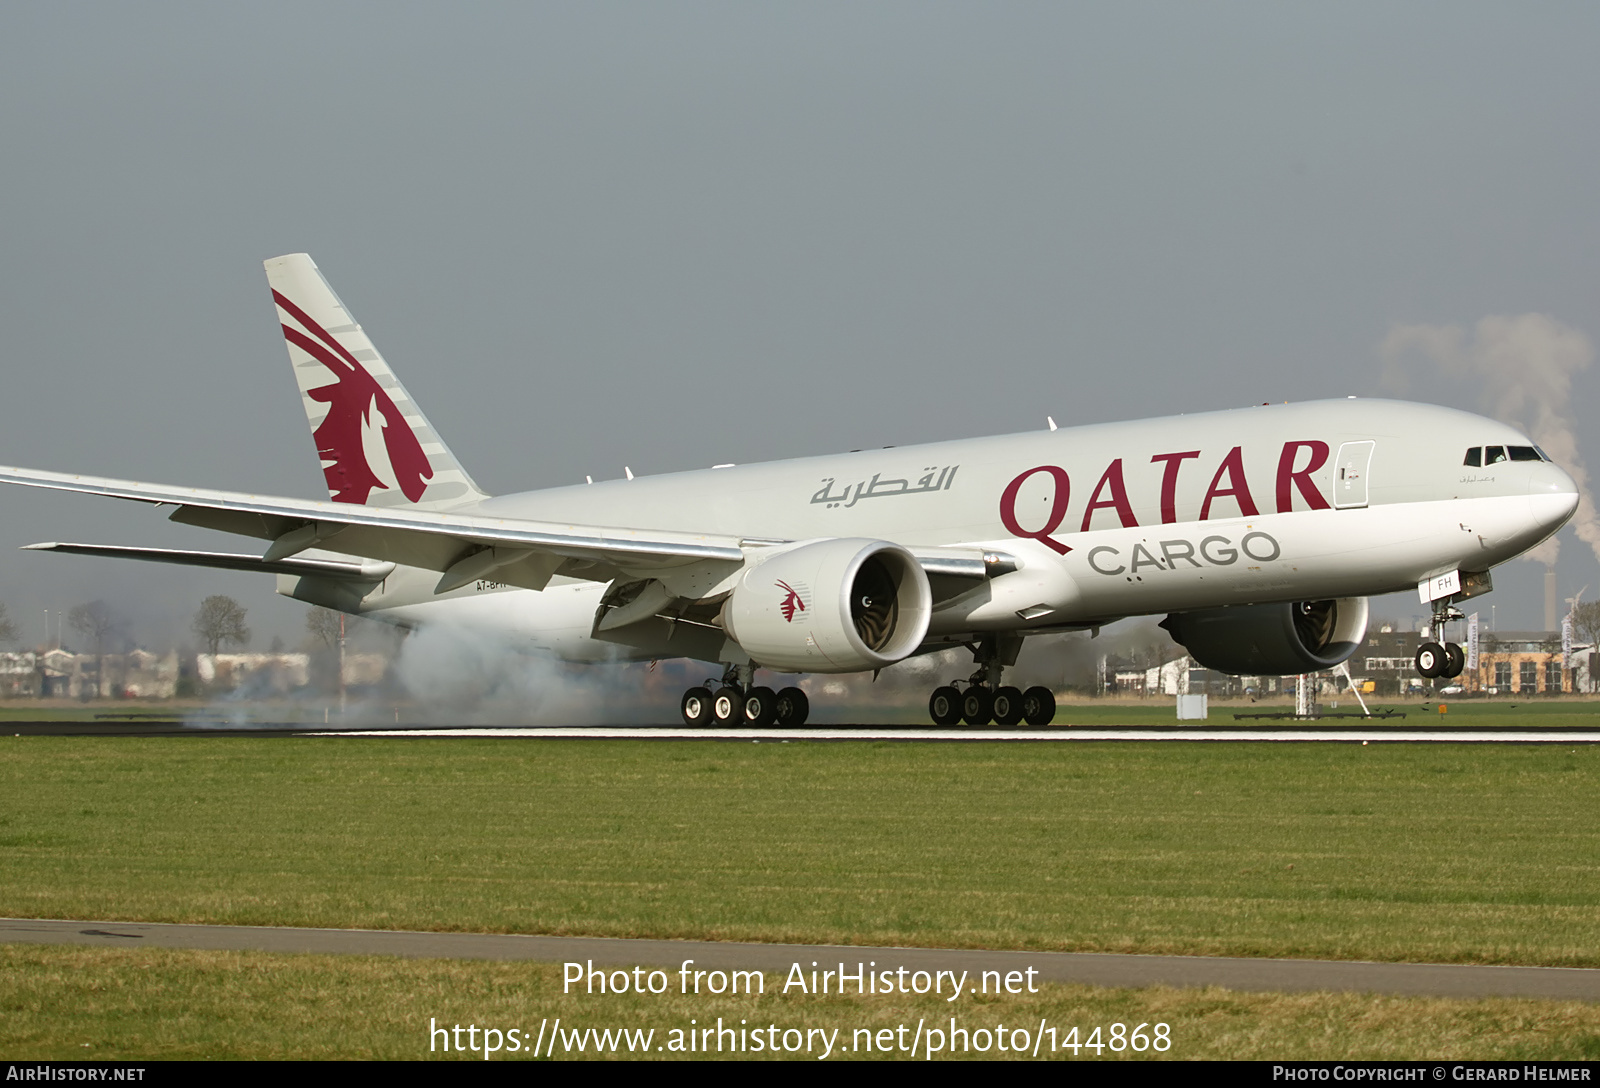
column 57, row 673
column 1522, row 663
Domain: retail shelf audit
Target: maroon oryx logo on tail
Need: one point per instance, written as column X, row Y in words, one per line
column 791, row 602
column 350, row 400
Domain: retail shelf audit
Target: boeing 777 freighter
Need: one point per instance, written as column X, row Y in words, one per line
column 1258, row 532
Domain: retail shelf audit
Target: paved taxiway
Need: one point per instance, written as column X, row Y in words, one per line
column 1089, row 968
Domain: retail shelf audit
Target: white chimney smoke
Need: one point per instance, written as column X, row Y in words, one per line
column 1523, row 368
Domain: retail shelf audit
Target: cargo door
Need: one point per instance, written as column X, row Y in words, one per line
column 1350, row 474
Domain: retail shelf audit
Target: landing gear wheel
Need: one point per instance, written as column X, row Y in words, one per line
column 1038, row 706
column 792, row 707
column 760, row 707
column 977, row 706
column 727, row 706
column 696, row 707
column 1007, row 706
column 1431, row 660
column 1455, row 660
column 944, row 706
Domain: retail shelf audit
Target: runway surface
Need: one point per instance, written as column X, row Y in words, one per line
column 858, row 733
column 1088, row 968
column 1352, row 734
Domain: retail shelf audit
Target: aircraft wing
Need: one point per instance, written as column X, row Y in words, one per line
column 463, row 547
column 340, row 570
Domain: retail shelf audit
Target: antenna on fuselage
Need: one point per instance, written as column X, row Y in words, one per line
column 1050, row 420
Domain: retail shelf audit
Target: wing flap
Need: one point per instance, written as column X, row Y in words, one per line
column 322, row 568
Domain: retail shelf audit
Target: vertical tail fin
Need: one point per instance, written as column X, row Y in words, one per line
column 377, row 447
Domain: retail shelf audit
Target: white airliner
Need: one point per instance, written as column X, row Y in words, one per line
column 1260, row 532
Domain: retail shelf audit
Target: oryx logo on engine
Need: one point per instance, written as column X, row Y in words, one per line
column 793, row 601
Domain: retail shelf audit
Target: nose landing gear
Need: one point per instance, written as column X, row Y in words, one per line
column 1434, row 659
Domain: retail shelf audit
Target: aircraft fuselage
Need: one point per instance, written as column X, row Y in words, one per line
column 1328, row 499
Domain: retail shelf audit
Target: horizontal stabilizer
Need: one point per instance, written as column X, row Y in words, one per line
column 323, row 568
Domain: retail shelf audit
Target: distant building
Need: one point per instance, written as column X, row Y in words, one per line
column 142, row 674
column 62, row 674
column 266, row 673
column 58, row 674
column 146, row 675
column 19, row 675
column 1527, row 663
column 1509, row 663
column 1183, row 676
column 1388, row 659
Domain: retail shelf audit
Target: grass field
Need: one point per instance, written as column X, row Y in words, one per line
column 1484, row 854
column 152, row 1003
column 1481, row 854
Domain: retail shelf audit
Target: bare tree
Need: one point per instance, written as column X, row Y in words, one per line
column 1586, row 622
column 323, row 624
column 95, row 621
column 220, row 620
column 8, row 629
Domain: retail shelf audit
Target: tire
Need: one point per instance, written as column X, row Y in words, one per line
column 1038, row 706
column 760, row 707
column 1007, row 706
column 977, row 706
column 727, row 707
column 792, row 708
column 944, row 706
column 1431, row 660
column 1455, row 660
column 696, row 707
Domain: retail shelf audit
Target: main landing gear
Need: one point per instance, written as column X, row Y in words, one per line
column 985, row 700
column 735, row 702
column 1446, row 659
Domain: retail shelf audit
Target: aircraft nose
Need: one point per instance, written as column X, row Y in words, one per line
column 1553, row 496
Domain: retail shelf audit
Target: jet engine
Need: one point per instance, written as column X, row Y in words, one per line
column 1272, row 639
column 842, row 605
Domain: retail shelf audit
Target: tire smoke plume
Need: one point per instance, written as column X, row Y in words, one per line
column 462, row 676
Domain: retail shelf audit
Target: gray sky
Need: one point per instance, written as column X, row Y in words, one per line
column 674, row 235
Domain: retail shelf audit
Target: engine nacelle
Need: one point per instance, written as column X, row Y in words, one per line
column 1272, row 639
column 840, row 605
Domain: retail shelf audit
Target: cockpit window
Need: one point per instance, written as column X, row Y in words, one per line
column 1479, row 456
column 1543, row 455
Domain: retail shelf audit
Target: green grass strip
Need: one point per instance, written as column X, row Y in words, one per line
column 1485, row 854
column 131, row 1004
